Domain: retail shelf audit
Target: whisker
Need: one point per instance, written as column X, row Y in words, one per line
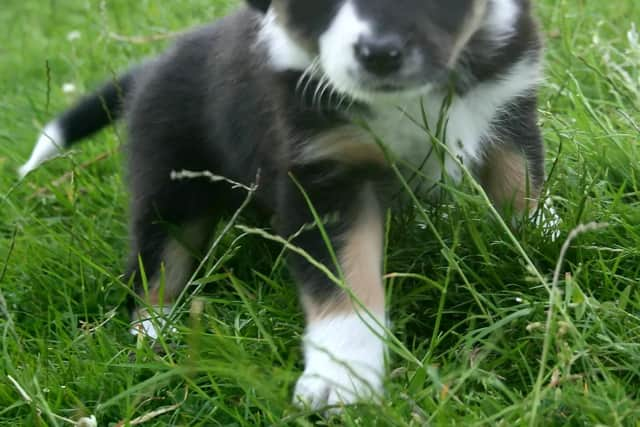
column 315, row 100
column 343, row 98
column 308, row 75
column 327, row 85
column 310, row 70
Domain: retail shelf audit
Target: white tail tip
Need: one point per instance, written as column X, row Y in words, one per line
column 50, row 143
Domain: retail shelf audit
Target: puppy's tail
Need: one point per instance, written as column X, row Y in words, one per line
column 90, row 114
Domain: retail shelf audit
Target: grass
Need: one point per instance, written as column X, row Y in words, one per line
column 471, row 312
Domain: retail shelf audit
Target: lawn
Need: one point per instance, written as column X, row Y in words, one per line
column 485, row 334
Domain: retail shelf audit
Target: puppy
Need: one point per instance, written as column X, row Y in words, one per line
column 318, row 99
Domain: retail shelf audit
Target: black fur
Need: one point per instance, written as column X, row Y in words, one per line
column 261, row 5
column 481, row 63
column 97, row 110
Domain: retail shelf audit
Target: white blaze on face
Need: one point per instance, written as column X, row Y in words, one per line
column 49, row 144
column 337, row 43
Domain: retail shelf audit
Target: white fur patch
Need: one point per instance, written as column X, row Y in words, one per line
column 49, row 144
column 344, row 362
column 284, row 53
column 502, row 18
column 336, row 48
column 151, row 324
column 547, row 219
column 468, row 125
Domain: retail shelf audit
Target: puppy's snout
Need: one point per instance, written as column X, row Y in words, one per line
column 381, row 56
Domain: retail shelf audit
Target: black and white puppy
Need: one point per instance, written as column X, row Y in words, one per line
column 281, row 89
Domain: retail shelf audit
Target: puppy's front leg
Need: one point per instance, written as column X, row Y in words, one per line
column 343, row 344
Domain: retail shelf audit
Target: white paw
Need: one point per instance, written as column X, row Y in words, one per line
column 547, row 219
column 151, row 324
column 344, row 363
column 338, row 384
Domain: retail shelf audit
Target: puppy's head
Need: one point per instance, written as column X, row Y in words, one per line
column 370, row 48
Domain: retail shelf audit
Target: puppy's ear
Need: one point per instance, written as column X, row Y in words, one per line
column 261, row 5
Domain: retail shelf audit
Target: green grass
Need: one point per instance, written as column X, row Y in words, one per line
column 470, row 310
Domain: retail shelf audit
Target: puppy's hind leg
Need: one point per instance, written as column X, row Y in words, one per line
column 171, row 222
column 161, row 268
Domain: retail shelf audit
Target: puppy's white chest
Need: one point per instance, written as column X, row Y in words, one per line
column 407, row 132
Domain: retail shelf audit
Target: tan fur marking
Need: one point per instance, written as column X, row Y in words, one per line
column 177, row 260
column 505, row 180
column 361, row 263
column 348, row 144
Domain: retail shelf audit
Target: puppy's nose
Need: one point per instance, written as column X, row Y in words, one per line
column 381, row 56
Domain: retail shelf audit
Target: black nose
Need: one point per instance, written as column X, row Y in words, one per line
column 381, row 56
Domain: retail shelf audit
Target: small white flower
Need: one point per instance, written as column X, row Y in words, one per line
column 632, row 36
column 519, row 300
column 87, row 422
column 74, row 35
column 68, row 88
